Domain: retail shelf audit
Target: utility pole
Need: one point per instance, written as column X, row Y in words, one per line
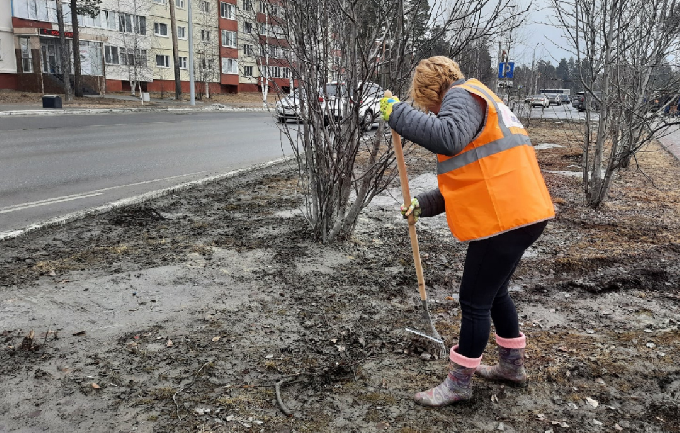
column 175, row 50
column 500, row 60
column 192, row 91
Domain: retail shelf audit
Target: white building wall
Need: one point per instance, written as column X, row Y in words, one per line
column 8, row 62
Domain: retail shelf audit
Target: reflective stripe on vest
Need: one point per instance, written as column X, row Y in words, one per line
column 508, row 141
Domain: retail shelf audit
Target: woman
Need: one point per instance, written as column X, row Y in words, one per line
column 494, row 196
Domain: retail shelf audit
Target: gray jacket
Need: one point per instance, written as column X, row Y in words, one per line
column 459, row 120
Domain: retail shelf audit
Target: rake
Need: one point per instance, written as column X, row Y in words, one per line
column 426, row 328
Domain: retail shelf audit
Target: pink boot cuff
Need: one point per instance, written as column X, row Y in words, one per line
column 461, row 360
column 512, row 343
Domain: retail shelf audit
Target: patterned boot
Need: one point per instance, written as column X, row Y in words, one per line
column 456, row 386
column 510, row 366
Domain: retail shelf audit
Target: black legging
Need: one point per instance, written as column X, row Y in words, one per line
column 489, row 264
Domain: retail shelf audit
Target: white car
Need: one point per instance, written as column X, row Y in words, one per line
column 336, row 96
column 288, row 108
column 538, row 101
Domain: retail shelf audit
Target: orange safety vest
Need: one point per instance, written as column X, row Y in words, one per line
column 494, row 184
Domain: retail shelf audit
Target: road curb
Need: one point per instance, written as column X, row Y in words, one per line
column 137, row 199
column 89, row 111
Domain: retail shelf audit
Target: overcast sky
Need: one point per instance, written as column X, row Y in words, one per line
column 540, row 36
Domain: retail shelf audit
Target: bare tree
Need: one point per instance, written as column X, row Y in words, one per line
column 175, row 50
column 336, row 49
column 78, row 8
column 65, row 53
column 206, row 45
column 622, row 44
column 133, row 35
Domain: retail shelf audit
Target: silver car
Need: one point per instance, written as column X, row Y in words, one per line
column 538, row 101
column 288, row 108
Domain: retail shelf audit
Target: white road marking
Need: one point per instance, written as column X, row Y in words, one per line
column 47, row 202
column 138, row 199
column 86, row 194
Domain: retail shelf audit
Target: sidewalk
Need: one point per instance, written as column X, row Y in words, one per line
column 115, row 103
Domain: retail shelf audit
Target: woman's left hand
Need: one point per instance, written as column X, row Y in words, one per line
column 413, row 208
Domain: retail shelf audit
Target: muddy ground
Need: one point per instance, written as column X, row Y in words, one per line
column 183, row 314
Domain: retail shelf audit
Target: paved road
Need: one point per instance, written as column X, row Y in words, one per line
column 670, row 139
column 563, row 112
column 54, row 165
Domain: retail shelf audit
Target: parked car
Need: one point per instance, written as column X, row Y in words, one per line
column 538, row 101
column 579, row 102
column 564, row 99
column 337, row 96
column 553, row 98
column 288, row 108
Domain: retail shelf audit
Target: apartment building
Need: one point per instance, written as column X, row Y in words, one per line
column 261, row 47
column 128, row 45
column 8, row 62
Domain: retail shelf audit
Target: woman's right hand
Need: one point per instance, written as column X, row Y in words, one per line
column 413, row 208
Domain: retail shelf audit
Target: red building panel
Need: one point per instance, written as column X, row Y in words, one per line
column 9, row 81
column 229, row 53
column 231, row 79
column 20, row 23
column 231, row 25
column 114, row 86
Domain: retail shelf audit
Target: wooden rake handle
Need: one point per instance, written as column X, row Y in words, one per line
column 403, row 178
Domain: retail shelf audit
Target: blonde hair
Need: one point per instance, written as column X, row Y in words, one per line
column 432, row 79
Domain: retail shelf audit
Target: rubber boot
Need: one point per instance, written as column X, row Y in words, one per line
column 510, row 366
column 456, row 386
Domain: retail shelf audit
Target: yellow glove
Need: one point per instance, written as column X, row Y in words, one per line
column 386, row 107
column 414, row 209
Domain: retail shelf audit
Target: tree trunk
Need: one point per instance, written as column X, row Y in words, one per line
column 65, row 55
column 175, row 51
column 78, row 88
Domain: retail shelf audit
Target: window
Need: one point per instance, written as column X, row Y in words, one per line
column 263, row 28
column 110, row 20
column 228, row 39
column 111, row 55
column 51, row 60
column 124, row 23
column 180, row 4
column 206, row 65
column 285, row 73
column 248, row 71
column 141, row 58
column 182, row 62
column 128, row 57
column 275, row 71
column 247, row 27
column 26, row 56
column 205, row 35
column 205, row 6
column 140, row 25
column 160, row 29
column 227, row 11
column 160, row 2
column 181, row 32
column 263, row 7
column 230, row 66
column 162, row 61
column 247, row 5
column 247, row 50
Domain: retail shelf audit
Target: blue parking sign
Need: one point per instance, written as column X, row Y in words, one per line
column 506, row 70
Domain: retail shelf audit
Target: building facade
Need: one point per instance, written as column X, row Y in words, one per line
column 8, row 61
column 128, row 46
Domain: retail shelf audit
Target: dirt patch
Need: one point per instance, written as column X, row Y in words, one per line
column 182, row 314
